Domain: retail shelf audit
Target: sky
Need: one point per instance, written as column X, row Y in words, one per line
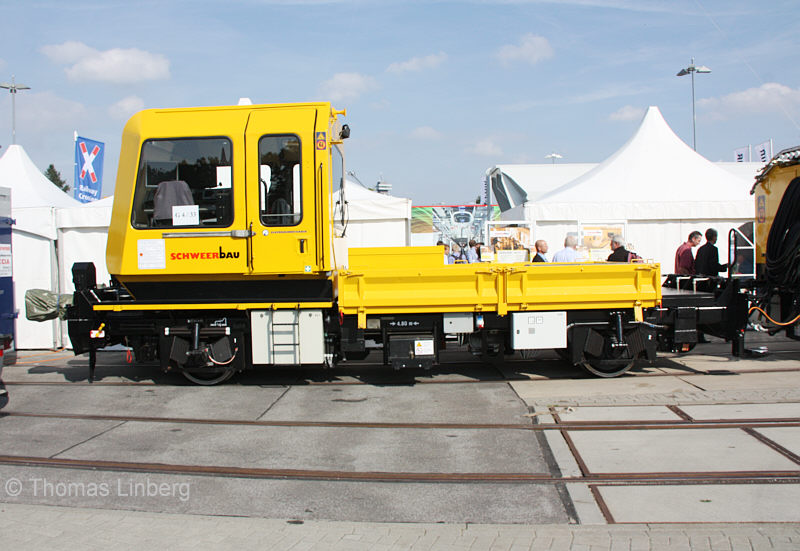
column 436, row 92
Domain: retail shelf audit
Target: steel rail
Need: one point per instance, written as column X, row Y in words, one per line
column 719, row 477
column 559, row 425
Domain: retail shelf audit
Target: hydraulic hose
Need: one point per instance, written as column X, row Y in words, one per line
column 783, row 242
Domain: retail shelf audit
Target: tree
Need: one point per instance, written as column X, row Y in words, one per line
column 55, row 176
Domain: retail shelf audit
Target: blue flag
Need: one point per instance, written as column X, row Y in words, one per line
column 88, row 169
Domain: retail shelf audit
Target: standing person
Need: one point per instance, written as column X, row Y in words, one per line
column 472, row 253
column 619, row 252
column 541, row 249
column 458, row 256
column 447, row 258
column 569, row 253
column 684, row 261
column 706, row 261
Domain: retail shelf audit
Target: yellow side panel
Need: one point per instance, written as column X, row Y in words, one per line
column 455, row 288
column 768, row 197
column 393, row 284
column 583, row 286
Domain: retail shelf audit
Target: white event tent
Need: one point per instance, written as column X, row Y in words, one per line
column 373, row 219
column 655, row 186
column 34, row 202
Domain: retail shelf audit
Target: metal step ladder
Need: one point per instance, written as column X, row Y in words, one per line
column 285, row 337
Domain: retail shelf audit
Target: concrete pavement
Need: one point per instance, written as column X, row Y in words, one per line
column 39, row 527
column 699, row 516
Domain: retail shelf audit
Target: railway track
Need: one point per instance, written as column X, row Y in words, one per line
column 552, row 423
column 718, row 477
column 535, row 427
column 593, row 478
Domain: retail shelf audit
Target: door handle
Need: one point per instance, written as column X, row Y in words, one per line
column 302, row 246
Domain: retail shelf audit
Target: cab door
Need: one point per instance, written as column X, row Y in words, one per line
column 280, row 190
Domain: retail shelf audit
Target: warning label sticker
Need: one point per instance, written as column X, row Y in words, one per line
column 321, row 140
column 423, row 348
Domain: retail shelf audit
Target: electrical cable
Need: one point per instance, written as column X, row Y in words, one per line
column 782, row 324
column 215, row 362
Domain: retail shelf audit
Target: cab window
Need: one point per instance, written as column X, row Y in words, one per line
column 280, row 180
column 184, row 182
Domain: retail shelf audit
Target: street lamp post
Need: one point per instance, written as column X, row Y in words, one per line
column 691, row 70
column 13, row 88
column 553, row 156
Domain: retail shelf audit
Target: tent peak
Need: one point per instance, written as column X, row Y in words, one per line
column 29, row 187
column 653, row 165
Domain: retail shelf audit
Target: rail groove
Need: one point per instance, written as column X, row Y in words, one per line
column 559, row 425
column 719, row 477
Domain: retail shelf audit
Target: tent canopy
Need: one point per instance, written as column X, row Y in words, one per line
column 540, row 179
column 29, row 187
column 365, row 204
column 653, row 176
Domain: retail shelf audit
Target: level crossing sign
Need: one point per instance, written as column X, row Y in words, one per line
column 88, row 169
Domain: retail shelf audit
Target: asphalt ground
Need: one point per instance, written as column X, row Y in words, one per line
column 313, row 420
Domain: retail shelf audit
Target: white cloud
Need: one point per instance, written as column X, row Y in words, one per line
column 426, row 133
column 418, row 63
column 40, row 111
column 486, row 148
column 347, row 86
column 67, row 53
column 627, row 113
column 126, row 107
column 117, row 65
column 769, row 97
column 531, row 49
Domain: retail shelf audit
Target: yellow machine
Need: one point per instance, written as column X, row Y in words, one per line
column 221, row 251
column 777, row 241
column 769, row 191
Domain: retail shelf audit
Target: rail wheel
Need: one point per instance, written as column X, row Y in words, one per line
column 207, row 377
column 608, row 368
column 613, row 362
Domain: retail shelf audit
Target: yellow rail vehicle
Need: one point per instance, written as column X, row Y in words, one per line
column 221, row 251
column 777, row 242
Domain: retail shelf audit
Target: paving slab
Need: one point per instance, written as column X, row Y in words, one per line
column 617, row 413
column 220, row 402
column 347, row 449
column 586, row 507
column 538, row 391
column 724, row 363
column 746, row 381
column 46, row 437
column 676, row 450
column 703, row 503
column 445, row 403
column 296, row 500
column 788, row 437
column 562, row 454
column 63, row 366
column 707, row 412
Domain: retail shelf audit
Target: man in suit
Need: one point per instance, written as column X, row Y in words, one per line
column 706, row 262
